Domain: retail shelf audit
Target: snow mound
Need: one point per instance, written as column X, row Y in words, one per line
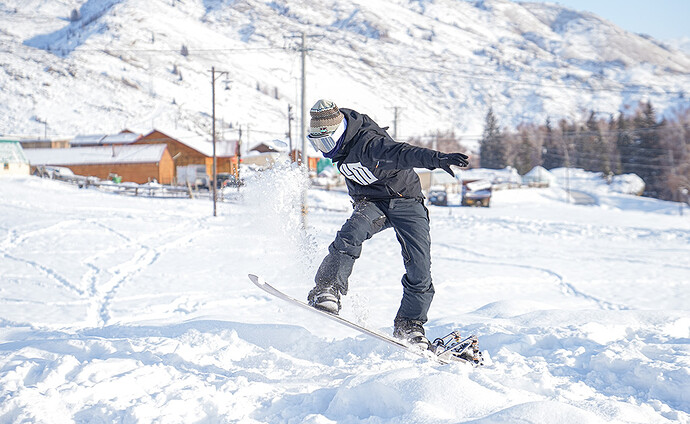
column 125, row 309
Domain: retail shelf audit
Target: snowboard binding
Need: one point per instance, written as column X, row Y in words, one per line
column 454, row 348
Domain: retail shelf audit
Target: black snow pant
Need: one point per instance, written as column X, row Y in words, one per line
column 410, row 220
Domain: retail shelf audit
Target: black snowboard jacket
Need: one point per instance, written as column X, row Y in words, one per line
column 375, row 166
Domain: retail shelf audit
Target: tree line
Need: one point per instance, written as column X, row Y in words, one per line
column 656, row 150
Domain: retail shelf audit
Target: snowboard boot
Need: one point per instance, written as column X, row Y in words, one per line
column 325, row 298
column 412, row 332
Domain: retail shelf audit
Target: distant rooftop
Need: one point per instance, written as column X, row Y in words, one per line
column 101, row 139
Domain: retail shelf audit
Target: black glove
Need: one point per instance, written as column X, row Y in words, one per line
column 457, row 159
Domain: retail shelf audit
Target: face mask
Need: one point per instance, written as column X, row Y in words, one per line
column 326, row 143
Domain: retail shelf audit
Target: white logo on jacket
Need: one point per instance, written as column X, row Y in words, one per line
column 357, row 173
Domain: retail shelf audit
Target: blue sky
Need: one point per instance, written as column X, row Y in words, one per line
column 662, row 19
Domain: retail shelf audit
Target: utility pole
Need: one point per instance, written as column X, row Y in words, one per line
column 303, row 132
column 213, row 129
column 303, row 119
column 303, row 129
column 239, row 157
column 289, row 133
column 45, row 127
column 567, row 166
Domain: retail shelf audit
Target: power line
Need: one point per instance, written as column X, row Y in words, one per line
column 192, row 51
column 371, row 63
column 485, row 77
column 613, row 162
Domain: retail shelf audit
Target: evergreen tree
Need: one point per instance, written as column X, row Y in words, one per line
column 569, row 135
column 492, row 151
column 523, row 159
column 74, row 16
column 594, row 154
column 553, row 156
column 625, row 144
column 611, row 146
column 648, row 151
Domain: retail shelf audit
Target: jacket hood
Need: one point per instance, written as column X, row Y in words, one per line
column 357, row 125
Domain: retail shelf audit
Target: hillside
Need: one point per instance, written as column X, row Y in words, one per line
column 121, row 309
column 442, row 62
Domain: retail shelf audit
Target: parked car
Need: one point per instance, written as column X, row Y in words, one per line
column 438, row 198
column 54, row 172
column 194, row 175
column 476, row 193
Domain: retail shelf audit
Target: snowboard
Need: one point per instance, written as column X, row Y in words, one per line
column 451, row 348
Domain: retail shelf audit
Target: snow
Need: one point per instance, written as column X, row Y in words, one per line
column 121, row 309
column 595, row 184
column 539, row 174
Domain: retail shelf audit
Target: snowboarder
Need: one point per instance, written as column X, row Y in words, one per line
column 386, row 193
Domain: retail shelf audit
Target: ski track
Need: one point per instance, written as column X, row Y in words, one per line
column 100, row 284
column 567, row 288
column 145, row 256
column 51, row 273
column 563, row 230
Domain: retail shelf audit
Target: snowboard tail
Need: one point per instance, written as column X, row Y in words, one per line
column 451, row 348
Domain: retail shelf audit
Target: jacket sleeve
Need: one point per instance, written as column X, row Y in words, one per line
column 382, row 152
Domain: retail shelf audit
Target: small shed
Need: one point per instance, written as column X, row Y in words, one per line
column 13, row 161
column 135, row 163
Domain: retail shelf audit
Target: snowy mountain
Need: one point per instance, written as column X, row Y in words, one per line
column 119, row 64
column 139, row 310
column 682, row 44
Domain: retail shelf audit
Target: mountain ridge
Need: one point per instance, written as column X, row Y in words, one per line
column 443, row 63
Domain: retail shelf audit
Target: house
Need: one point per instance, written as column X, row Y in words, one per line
column 135, row 163
column 191, row 149
column 12, row 158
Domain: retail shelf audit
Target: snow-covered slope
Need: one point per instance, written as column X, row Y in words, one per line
column 443, row 62
column 119, row 309
column 682, row 44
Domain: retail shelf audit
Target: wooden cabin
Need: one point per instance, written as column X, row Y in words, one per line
column 134, row 163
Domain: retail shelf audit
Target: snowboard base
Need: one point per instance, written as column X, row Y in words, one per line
column 451, row 348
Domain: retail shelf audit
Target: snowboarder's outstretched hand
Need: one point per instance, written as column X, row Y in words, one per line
column 457, row 159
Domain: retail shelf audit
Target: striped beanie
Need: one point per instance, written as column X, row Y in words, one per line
column 325, row 118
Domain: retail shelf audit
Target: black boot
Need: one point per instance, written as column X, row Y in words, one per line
column 411, row 331
column 325, row 298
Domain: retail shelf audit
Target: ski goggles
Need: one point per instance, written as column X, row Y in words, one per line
column 326, row 143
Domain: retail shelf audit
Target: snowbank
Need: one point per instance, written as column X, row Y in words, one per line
column 119, row 309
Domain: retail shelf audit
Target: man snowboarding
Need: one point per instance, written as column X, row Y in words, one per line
column 387, row 194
